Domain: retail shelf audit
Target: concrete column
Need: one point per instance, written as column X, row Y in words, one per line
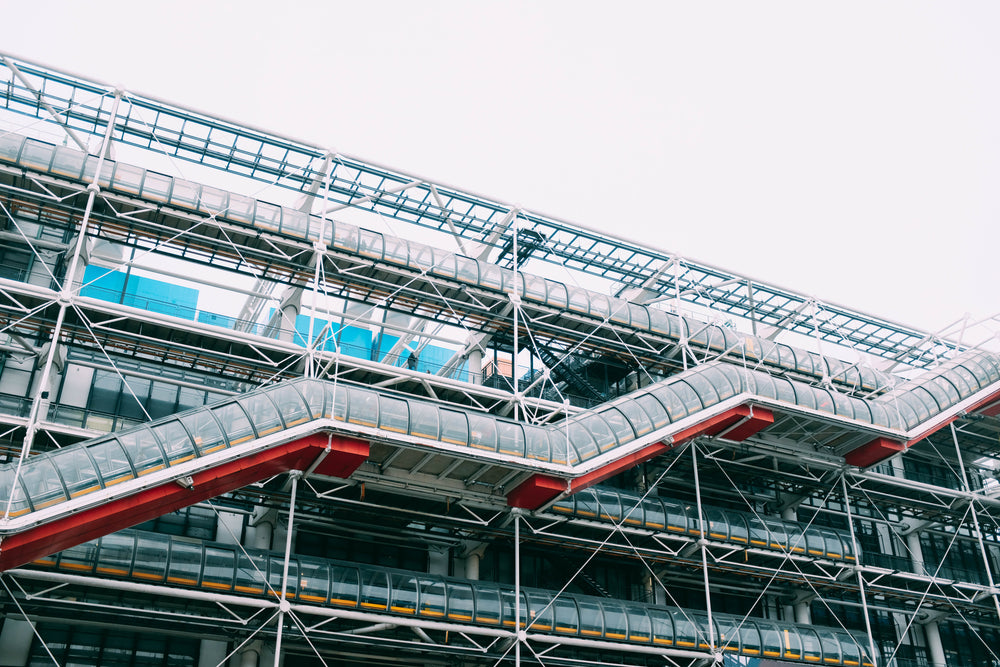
column 916, row 553
column 261, row 528
column 437, row 559
column 230, row 527
column 15, row 642
column 803, row 614
column 212, row 653
column 934, row 647
column 476, row 366
column 931, row 632
column 473, row 558
column 250, row 656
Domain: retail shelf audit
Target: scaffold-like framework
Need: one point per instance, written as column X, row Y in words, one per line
column 364, row 417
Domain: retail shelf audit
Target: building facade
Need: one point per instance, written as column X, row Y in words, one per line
column 263, row 403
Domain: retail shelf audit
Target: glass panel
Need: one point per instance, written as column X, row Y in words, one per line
column 538, row 444
column 468, row 270
column 396, row 250
column 718, row 378
column 578, row 299
column 80, row 558
column 432, row 598
column 750, row 639
column 250, row 574
column 337, row 399
column 663, row 626
column 737, row 527
column 671, row 401
column 374, row 590
column 313, row 391
column 240, row 208
column 534, row 288
column 275, row 567
column 68, row 162
column 636, row 416
column 314, row 581
column 777, row 538
column 262, row 413
column 404, row 594
column 490, row 276
column 115, row 555
column 111, row 461
column 36, row 154
column 185, row 562
column 294, row 222
column 42, row 483
column 824, row 401
column 639, row 627
column 444, row 263
column 175, row 440
column 830, row 645
column 393, row 414
column 510, row 438
column 621, row 427
column 620, row 311
column 686, row 633
column 220, row 566
column 677, row 520
column 421, row 257
column 557, row 295
column 599, row 429
column 10, row 146
column 460, row 602
column 370, row 244
column 591, row 618
column 290, row 404
column 454, row 427
column 78, row 471
column 654, row 516
column 205, row 430
column 834, row 547
column 150, row 558
column 344, row 585
column 652, row 407
column 599, row 306
column 639, row 316
column 507, row 607
column 423, row 420
column 615, row 620
column 567, row 619
column 482, row 432
column 185, row 193
column 540, row 613
column 487, row 604
column 156, row 186
column 269, row 217
column 609, row 505
column 718, row 526
column 213, row 200
column 729, row 635
column 345, row 237
column 235, row 423
column 851, row 651
column 771, row 639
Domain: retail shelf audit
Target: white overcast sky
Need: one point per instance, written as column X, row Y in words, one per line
column 848, row 150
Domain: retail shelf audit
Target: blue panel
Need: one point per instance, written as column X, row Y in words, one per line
column 216, row 319
column 161, row 297
column 140, row 292
column 104, row 285
column 356, row 342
